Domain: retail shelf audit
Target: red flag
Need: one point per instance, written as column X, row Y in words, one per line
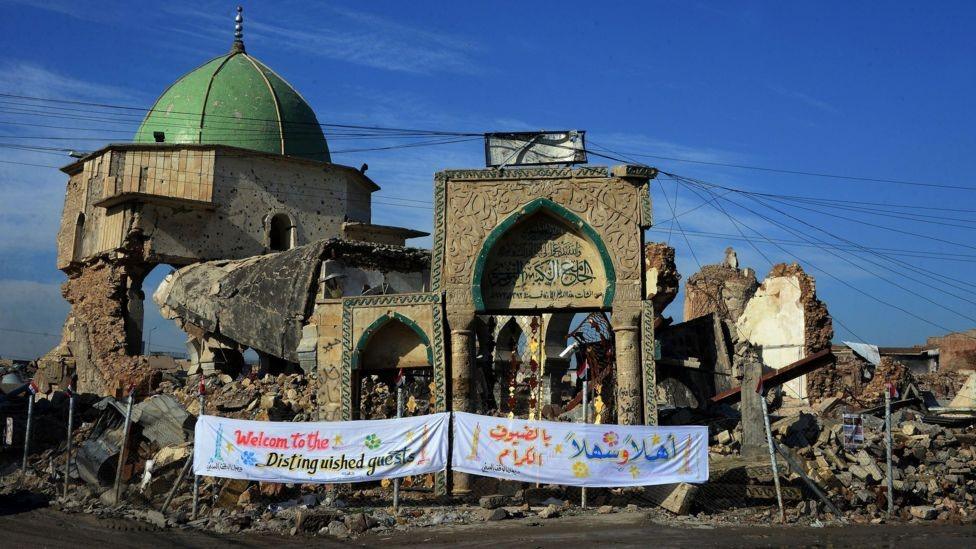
column 583, row 371
column 401, row 379
column 32, row 387
column 203, row 387
column 892, row 390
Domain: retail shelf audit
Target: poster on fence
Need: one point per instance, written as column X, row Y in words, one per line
column 320, row 452
column 578, row 454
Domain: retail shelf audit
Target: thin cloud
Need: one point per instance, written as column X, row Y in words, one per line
column 346, row 35
column 806, row 99
column 25, row 78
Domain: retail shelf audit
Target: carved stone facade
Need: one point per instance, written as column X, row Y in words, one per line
column 421, row 318
column 539, row 240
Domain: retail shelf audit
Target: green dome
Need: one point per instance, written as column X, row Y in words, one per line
column 236, row 100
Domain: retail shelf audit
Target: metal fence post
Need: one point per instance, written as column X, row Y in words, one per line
column 586, row 419
column 888, row 444
column 772, row 455
column 196, row 478
column 396, row 481
column 30, row 419
column 67, row 452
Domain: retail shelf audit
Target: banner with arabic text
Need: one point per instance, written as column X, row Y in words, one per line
column 320, row 452
column 578, row 454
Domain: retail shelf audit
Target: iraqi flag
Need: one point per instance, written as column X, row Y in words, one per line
column 583, row 371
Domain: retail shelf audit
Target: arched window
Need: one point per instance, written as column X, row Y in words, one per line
column 281, row 233
column 79, row 238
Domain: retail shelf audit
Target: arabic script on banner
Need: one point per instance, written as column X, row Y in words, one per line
column 348, row 451
column 579, row 454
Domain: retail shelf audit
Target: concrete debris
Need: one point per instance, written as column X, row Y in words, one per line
column 933, row 466
column 259, row 302
column 721, row 289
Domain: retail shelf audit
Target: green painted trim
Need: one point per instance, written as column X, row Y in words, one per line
column 555, row 209
column 380, row 323
column 440, row 238
column 436, row 349
column 649, row 348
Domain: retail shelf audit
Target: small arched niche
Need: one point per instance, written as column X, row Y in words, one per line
column 281, row 233
column 77, row 246
column 395, row 344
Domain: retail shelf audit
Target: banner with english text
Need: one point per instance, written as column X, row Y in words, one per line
column 320, row 452
column 578, row 454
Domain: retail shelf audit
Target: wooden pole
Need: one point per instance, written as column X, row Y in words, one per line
column 123, row 447
column 179, row 481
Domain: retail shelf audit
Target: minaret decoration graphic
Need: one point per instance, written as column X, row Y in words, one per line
column 474, row 443
column 217, row 445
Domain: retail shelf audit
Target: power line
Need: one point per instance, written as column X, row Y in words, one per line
column 701, row 269
column 848, row 241
column 862, row 222
column 897, row 263
column 800, row 172
column 809, row 262
column 29, row 332
column 918, row 254
column 828, row 273
column 292, row 122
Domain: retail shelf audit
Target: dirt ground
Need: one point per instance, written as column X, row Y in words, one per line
column 48, row 528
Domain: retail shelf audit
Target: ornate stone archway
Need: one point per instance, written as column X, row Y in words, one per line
column 557, row 250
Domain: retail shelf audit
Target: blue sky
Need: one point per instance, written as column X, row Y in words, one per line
column 880, row 90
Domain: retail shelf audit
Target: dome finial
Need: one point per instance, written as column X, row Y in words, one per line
column 238, row 45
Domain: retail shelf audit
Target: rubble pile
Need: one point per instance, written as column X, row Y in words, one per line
column 933, row 467
column 887, row 372
column 285, row 397
column 378, row 400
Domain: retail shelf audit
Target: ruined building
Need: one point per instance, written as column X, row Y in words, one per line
column 732, row 320
column 229, row 181
column 229, row 163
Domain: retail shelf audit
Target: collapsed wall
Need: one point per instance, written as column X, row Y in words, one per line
column 722, row 289
column 96, row 341
column 787, row 321
column 732, row 321
column 661, row 276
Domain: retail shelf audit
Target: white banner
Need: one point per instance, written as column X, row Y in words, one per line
column 323, row 452
column 578, row 454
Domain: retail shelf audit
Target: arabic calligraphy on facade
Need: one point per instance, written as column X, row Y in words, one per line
column 543, row 260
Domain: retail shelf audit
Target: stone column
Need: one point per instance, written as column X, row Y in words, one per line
column 753, row 444
column 629, row 394
column 462, row 370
